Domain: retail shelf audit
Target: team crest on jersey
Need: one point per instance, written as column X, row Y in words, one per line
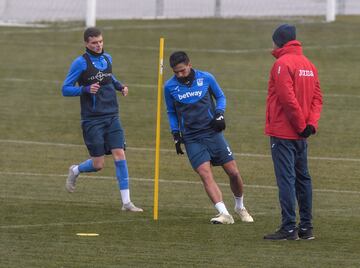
column 200, row 81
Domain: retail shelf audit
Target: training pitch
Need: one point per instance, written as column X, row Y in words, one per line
column 40, row 137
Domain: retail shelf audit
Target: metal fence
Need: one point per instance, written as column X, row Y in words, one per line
column 63, row 10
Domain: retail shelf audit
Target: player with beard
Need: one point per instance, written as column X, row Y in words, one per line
column 195, row 107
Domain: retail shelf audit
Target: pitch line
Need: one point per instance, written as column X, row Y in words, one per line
column 23, row 25
column 154, row 48
column 255, row 186
column 254, row 91
column 233, row 51
column 168, row 150
column 21, row 80
column 142, row 149
column 62, row 224
column 37, row 28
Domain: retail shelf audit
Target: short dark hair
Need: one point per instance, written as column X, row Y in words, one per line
column 91, row 32
column 177, row 58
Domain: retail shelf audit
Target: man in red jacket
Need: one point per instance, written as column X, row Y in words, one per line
column 293, row 109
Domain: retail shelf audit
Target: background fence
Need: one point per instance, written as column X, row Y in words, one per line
column 63, row 10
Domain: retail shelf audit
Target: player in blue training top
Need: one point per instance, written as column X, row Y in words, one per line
column 90, row 77
column 198, row 122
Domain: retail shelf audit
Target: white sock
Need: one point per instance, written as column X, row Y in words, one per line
column 76, row 170
column 239, row 202
column 125, row 196
column 220, row 206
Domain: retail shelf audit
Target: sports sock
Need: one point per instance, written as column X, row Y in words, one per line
column 239, row 202
column 75, row 169
column 86, row 166
column 125, row 196
column 122, row 176
column 220, row 206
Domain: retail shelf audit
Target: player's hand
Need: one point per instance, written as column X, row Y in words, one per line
column 218, row 123
column 308, row 130
column 94, row 88
column 178, row 140
column 125, row 91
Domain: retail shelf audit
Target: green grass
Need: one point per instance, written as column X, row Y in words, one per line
column 39, row 220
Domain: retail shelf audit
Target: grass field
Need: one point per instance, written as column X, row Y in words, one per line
column 40, row 138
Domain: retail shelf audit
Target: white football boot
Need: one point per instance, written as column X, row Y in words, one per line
column 222, row 219
column 131, row 207
column 71, row 180
column 244, row 215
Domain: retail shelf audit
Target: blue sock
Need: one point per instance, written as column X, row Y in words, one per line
column 122, row 174
column 87, row 166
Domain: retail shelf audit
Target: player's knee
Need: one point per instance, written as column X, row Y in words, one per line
column 119, row 154
column 98, row 165
column 206, row 175
column 234, row 175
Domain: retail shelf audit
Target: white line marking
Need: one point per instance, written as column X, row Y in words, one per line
column 47, row 30
column 154, row 48
column 37, row 28
column 23, row 25
column 21, row 80
column 62, row 224
column 169, row 181
column 264, row 92
column 247, row 90
column 170, row 150
column 41, row 143
column 233, row 51
column 145, row 26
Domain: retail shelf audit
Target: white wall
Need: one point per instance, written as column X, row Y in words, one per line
column 53, row 10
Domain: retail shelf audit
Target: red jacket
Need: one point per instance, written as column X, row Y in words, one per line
column 294, row 95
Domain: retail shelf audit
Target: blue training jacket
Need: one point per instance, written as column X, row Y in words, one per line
column 191, row 108
column 72, row 88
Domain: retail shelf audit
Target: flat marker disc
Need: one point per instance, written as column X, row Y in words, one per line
column 87, row 234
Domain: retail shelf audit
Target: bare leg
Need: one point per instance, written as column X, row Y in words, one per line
column 215, row 195
column 211, row 187
column 118, row 154
column 237, row 187
column 98, row 162
column 236, row 183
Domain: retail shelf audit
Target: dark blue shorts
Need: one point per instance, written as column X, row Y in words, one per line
column 102, row 135
column 213, row 148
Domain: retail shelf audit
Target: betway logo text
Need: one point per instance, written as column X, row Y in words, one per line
column 189, row 95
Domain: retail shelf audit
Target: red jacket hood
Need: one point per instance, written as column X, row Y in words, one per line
column 292, row 47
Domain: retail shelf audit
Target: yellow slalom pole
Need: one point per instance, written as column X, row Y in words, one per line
column 158, row 117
